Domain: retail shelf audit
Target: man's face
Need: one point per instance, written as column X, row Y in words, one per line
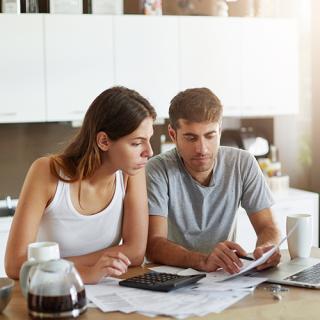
column 197, row 144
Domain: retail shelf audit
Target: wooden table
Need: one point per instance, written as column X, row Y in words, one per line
column 297, row 303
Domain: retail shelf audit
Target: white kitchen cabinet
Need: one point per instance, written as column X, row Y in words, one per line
column 269, row 61
column 292, row 202
column 146, row 57
column 53, row 66
column 22, row 85
column 5, row 224
column 79, row 63
column 210, row 57
column 251, row 64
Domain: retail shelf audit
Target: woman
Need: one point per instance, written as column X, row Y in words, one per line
column 93, row 194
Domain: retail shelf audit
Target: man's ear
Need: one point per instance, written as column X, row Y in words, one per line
column 172, row 133
column 103, row 141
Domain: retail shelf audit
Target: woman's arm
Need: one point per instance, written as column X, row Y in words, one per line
column 134, row 226
column 37, row 192
column 135, row 220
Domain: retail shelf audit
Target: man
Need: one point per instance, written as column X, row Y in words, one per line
column 195, row 190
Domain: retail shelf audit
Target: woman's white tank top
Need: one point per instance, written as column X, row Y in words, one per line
column 79, row 234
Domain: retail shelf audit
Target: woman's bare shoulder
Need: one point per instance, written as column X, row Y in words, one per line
column 41, row 168
column 39, row 186
column 42, row 163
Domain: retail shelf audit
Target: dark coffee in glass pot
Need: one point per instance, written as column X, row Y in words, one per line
column 56, row 290
column 56, row 304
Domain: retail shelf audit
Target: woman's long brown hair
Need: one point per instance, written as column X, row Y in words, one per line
column 117, row 111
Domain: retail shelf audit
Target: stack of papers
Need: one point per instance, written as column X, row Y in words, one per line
column 204, row 297
column 182, row 303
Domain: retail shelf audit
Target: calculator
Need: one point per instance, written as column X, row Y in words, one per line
column 160, row 281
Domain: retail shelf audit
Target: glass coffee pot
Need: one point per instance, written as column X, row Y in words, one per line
column 55, row 290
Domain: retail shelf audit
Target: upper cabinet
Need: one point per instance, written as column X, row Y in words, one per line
column 250, row 64
column 269, row 76
column 147, row 57
column 22, row 79
column 79, row 63
column 210, row 57
column 53, row 66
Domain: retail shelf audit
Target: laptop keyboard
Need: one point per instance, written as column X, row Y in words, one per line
column 310, row 275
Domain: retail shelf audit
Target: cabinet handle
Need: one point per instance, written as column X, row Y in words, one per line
column 8, row 114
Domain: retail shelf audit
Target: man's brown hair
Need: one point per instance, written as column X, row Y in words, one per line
column 195, row 105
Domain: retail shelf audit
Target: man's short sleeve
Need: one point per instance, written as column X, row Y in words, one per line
column 256, row 194
column 157, row 187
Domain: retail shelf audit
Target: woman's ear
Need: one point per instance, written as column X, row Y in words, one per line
column 103, row 141
column 172, row 133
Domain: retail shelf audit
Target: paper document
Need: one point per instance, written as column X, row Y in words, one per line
column 213, row 280
column 167, row 269
column 181, row 303
column 240, row 283
column 249, row 265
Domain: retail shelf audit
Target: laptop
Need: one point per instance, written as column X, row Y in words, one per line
column 299, row 272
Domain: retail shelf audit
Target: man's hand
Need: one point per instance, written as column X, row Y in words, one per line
column 225, row 256
column 271, row 262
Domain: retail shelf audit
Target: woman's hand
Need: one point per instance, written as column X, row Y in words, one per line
column 109, row 264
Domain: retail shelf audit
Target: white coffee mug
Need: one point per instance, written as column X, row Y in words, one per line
column 38, row 252
column 300, row 240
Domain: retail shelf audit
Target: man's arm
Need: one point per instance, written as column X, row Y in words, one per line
column 267, row 236
column 161, row 250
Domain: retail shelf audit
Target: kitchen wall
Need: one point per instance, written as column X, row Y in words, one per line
column 315, row 69
column 293, row 134
column 21, row 144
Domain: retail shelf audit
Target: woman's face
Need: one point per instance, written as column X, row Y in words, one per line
column 131, row 152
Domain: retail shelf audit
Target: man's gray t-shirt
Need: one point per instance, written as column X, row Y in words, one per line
column 200, row 216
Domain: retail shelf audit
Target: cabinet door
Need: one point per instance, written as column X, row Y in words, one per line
column 79, row 63
column 146, row 57
column 22, row 92
column 210, row 57
column 270, row 67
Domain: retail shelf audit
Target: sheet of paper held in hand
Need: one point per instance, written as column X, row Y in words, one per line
column 247, row 265
column 264, row 258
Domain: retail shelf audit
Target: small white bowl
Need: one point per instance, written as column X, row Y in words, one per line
column 6, row 286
